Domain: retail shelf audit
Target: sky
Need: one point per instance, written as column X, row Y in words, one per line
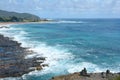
column 65, row 8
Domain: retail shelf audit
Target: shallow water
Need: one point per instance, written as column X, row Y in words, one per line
column 70, row 45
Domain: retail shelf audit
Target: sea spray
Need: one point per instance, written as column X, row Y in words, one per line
column 80, row 45
column 55, row 57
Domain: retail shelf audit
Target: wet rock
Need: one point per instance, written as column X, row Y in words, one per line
column 103, row 75
column 12, row 59
column 38, row 68
column 84, row 72
column 45, row 65
column 107, row 71
column 83, row 75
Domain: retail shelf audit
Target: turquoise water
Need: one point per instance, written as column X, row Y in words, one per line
column 70, row 45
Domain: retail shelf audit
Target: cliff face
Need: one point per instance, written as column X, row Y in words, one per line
column 83, row 75
column 12, row 59
column 6, row 16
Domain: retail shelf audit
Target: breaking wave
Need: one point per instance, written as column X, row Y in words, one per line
column 60, row 60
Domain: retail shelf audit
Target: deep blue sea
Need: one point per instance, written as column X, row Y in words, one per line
column 69, row 45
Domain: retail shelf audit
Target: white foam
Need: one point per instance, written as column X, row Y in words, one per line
column 66, row 22
column 70, row 22
column 7, row 25
column 59, row 59
column 12, row 78
column 79, row 66
column 53, row 54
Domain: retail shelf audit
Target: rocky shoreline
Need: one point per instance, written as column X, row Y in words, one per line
column 12, row 59
column 14, row 64
column 83, row 75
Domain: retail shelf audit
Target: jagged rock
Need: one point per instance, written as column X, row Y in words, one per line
column 44, row 65
column 38, row 68
column 84, row 76
column 84, row 72
column 103, row 75
column 40, row 58
column 107, row 71
column 12, row 59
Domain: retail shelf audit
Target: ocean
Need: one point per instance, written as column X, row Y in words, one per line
column 69, row 45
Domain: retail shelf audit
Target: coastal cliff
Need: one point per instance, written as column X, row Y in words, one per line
column 6, row 16
column 83, row 75
column 12, row 59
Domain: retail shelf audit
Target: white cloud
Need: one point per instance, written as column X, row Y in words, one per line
column 38, row 8
column 64, row 6
column 13, row 1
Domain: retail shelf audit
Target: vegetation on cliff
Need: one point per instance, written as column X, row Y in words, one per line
column 117, row 78
column 6, row 16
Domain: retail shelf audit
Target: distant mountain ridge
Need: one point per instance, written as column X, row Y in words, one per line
column 6, row 16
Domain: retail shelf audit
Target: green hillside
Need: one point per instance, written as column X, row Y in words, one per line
column 6, row 16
